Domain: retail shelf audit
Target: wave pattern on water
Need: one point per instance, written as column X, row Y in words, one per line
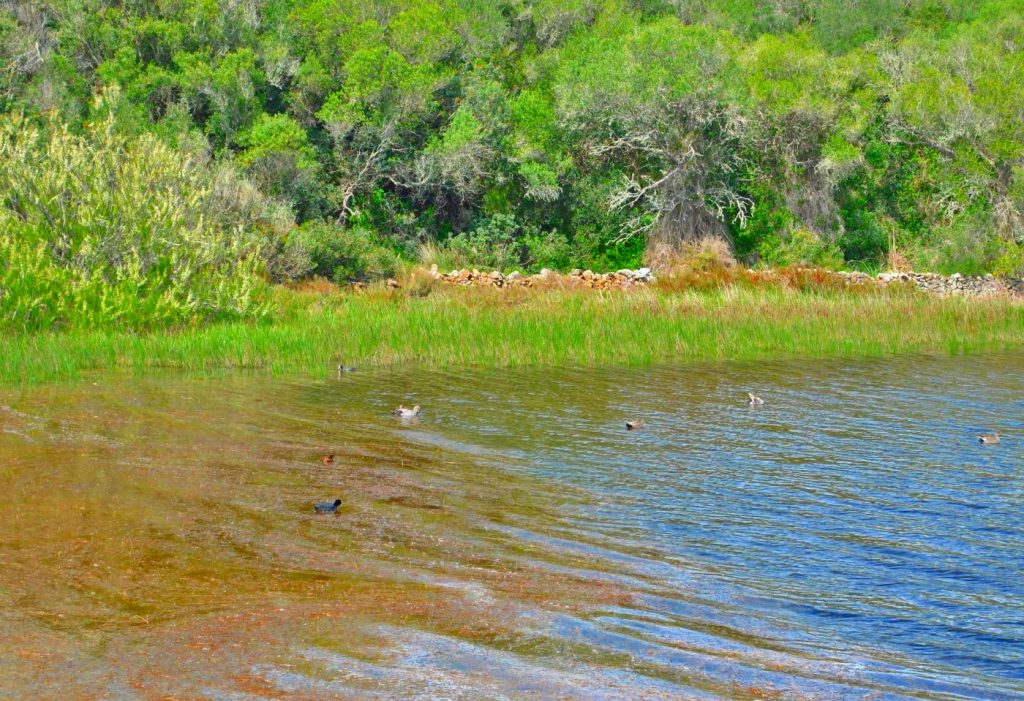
column 848, row 539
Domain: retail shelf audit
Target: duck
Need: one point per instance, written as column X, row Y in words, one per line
column 407, row 413
column 635, row 424
column 327, row 507
column 754, row 400
column 988, row 438
column 342, row 369
column 328, row 459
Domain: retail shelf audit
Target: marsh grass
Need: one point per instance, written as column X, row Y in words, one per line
column 314, row 329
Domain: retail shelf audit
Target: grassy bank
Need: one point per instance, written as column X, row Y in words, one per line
column 311, row 331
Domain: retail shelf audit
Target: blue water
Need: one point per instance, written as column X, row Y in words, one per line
column 848, row 539
column 854, row 516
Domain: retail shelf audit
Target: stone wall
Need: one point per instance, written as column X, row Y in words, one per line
column 956, row 284
column 585, row 278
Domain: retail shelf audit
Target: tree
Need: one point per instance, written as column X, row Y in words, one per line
column 657, row 98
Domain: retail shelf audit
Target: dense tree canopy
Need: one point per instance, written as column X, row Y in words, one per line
column 570, row 132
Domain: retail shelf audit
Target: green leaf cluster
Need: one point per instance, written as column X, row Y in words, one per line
column 101, row 230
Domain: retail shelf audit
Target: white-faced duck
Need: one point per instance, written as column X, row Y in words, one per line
column 342, row 369
column 754, row 400
column 988, row 438
column 635, row 424
column 407, row 413
column 328, row 459
column 327, row 507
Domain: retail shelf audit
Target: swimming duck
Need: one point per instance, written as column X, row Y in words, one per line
column 988, row 438
column 327, row 507
column 635, row 424
column 328, row 459
column 407, row 413
column 342, row 368
column 754, row 400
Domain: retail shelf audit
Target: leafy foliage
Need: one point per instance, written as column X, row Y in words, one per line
column 795, row 130
column 103, row 230
column 342, row 256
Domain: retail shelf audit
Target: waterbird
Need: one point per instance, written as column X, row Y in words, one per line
column 407, row 413
column 342, row 368
column 754, row 400
column 635, row 424
column 328, row 459
column 327, row 507
column 988, row 438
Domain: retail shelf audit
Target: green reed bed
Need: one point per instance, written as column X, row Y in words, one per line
column 312, row 332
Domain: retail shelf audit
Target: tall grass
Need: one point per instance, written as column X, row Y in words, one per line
column 313, row 331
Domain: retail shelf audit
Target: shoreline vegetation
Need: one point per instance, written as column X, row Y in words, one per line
column 162, row 162
column 424, row 324
column 178, row 176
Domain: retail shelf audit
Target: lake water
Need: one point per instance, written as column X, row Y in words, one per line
column 849, row 539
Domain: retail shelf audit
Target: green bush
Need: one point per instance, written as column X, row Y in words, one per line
column 1011, row 262
column 342, row 255
column 100, row 229
column 494, row 245
column 966, row 247
column 548, row 249
column 803, row 247
column 502, row 243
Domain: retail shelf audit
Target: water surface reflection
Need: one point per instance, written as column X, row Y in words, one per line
column 849, row 539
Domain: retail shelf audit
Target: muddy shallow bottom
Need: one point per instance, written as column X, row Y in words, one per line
column 847, row 540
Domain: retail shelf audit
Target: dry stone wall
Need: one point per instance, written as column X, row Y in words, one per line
column 585, row 278
column 956, row 284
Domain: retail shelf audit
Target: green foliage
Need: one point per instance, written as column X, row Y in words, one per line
column 803, row 247
column 454, row 328
column 278, row 157
column 277, row 134
column 103, row 230
column 503, row 243
column 548, row 249
column 795, row 129
column 342, row 255
column 421, row 33
column 494, row 245
column 841, row 26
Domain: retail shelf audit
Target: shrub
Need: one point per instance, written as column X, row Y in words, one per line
column 501, row 243
column 1011, row 262
column 100, row 229
column 704, row 264
column 803, row 247
column 548, row 249
column 342, row 255
column 965, row 246
column 493, row 245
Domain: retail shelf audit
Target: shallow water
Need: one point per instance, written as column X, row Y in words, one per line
column 849, row 539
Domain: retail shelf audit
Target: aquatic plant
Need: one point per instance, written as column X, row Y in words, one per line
column 313, row 331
